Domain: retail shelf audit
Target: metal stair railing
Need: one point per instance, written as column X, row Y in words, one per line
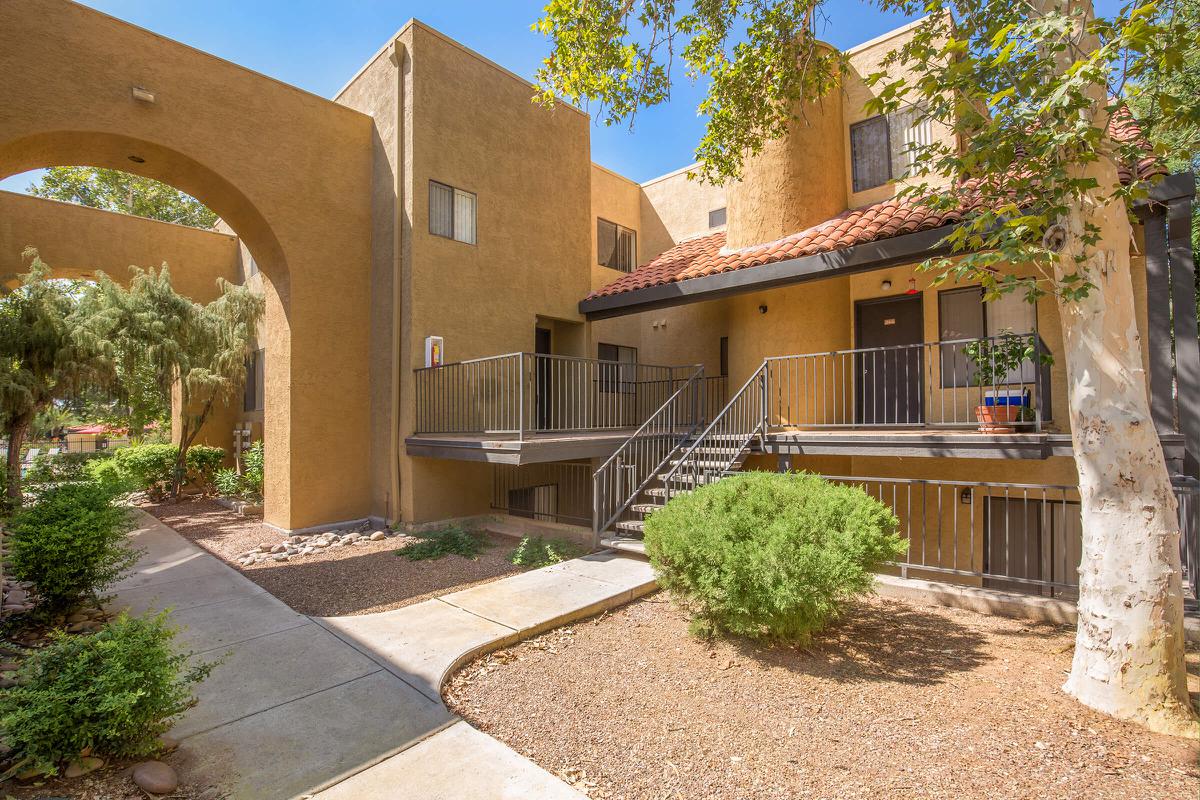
column 726, row 438
column 617, row 483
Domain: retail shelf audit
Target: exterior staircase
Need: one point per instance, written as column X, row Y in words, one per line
column 693, row 459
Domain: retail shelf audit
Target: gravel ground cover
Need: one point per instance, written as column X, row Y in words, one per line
column 359, row 579
column 897, row 700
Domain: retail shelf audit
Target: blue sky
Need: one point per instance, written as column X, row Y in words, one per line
column 319, row 45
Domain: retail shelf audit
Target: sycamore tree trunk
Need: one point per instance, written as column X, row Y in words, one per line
column 1129, row 646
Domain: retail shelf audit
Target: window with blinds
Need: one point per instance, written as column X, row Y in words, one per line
column 909, row 133
column 886, row 147
column 964, row 315
column 451, row 213
column 616, row 246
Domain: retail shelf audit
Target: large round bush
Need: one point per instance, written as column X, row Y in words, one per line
column 769, row 554
column 70, row 544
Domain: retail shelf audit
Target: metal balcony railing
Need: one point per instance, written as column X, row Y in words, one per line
column 952, row 384
column 524, row 393
column 1010, row 536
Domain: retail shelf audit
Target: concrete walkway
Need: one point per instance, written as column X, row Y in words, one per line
column 352, row 705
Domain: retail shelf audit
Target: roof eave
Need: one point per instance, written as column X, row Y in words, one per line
column 864, row 257
column 856, row 258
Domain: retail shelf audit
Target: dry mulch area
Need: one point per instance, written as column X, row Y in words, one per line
column 897, row 700
column 334, row 582
column 109, row 783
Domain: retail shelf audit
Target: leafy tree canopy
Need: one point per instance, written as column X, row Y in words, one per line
column 162, row 341
column 113, row 190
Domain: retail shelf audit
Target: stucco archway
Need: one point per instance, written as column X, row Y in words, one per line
column 290, row 172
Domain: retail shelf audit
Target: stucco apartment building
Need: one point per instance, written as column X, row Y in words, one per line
column 468, row 318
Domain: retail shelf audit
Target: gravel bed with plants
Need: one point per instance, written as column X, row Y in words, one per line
column 895, row 700
column 355, row 571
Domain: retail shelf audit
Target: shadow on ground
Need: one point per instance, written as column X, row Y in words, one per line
column 882, row 641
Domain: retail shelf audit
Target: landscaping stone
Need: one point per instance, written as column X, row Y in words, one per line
column 83, row 766
column 155, row 777
column 279, row 548
column 377, row 536
column 77, row 617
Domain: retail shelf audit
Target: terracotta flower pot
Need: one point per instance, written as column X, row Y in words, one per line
column 997, row 419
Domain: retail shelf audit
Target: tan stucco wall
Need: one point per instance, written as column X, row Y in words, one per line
column 616, row 199
column 669, row 209
column 289, row 171
column 375, row 91
column 675, row 208
column 863, row 60
column 475, row 128
column 79, row 241
column 788, row 186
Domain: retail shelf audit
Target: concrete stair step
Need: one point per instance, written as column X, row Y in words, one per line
column 631, row 525
column 645, row 509
column 702, row 464
column 624, row 544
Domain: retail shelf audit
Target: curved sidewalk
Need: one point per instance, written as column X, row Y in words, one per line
column 350, row 707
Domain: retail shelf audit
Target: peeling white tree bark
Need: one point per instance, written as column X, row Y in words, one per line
column 1129, row 646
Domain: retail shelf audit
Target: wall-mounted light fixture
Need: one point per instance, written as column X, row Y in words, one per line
column 143, row 95
column 965, row 497
column 762, row 309
column 886, row 286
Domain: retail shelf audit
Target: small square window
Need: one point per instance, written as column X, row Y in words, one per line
column 716, row 217
column 451, row 213
column 616, row 246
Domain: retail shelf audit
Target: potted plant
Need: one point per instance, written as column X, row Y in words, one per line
column 994, row 360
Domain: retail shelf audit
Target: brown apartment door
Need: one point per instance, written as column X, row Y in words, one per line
column 889, row 365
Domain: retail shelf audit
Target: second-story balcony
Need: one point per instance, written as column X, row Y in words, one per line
column 997, row 384
column 504, row 408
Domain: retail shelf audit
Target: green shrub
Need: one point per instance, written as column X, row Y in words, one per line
column 63, row 468
column 453, row 540
column 765, row 554
column 107, row 473
column 203, row 461
column 252, row 471
column 534, row 551
column 115, row 691
column 70, row 544
column 148, row 466
column 228, row 482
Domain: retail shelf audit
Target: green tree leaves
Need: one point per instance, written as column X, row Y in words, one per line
column 762, row 60
column 113, row 190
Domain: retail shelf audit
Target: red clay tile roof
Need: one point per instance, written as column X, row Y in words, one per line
column 706, row 255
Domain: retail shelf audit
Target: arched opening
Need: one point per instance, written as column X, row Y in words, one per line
column 290, row 172
column 70, row 239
